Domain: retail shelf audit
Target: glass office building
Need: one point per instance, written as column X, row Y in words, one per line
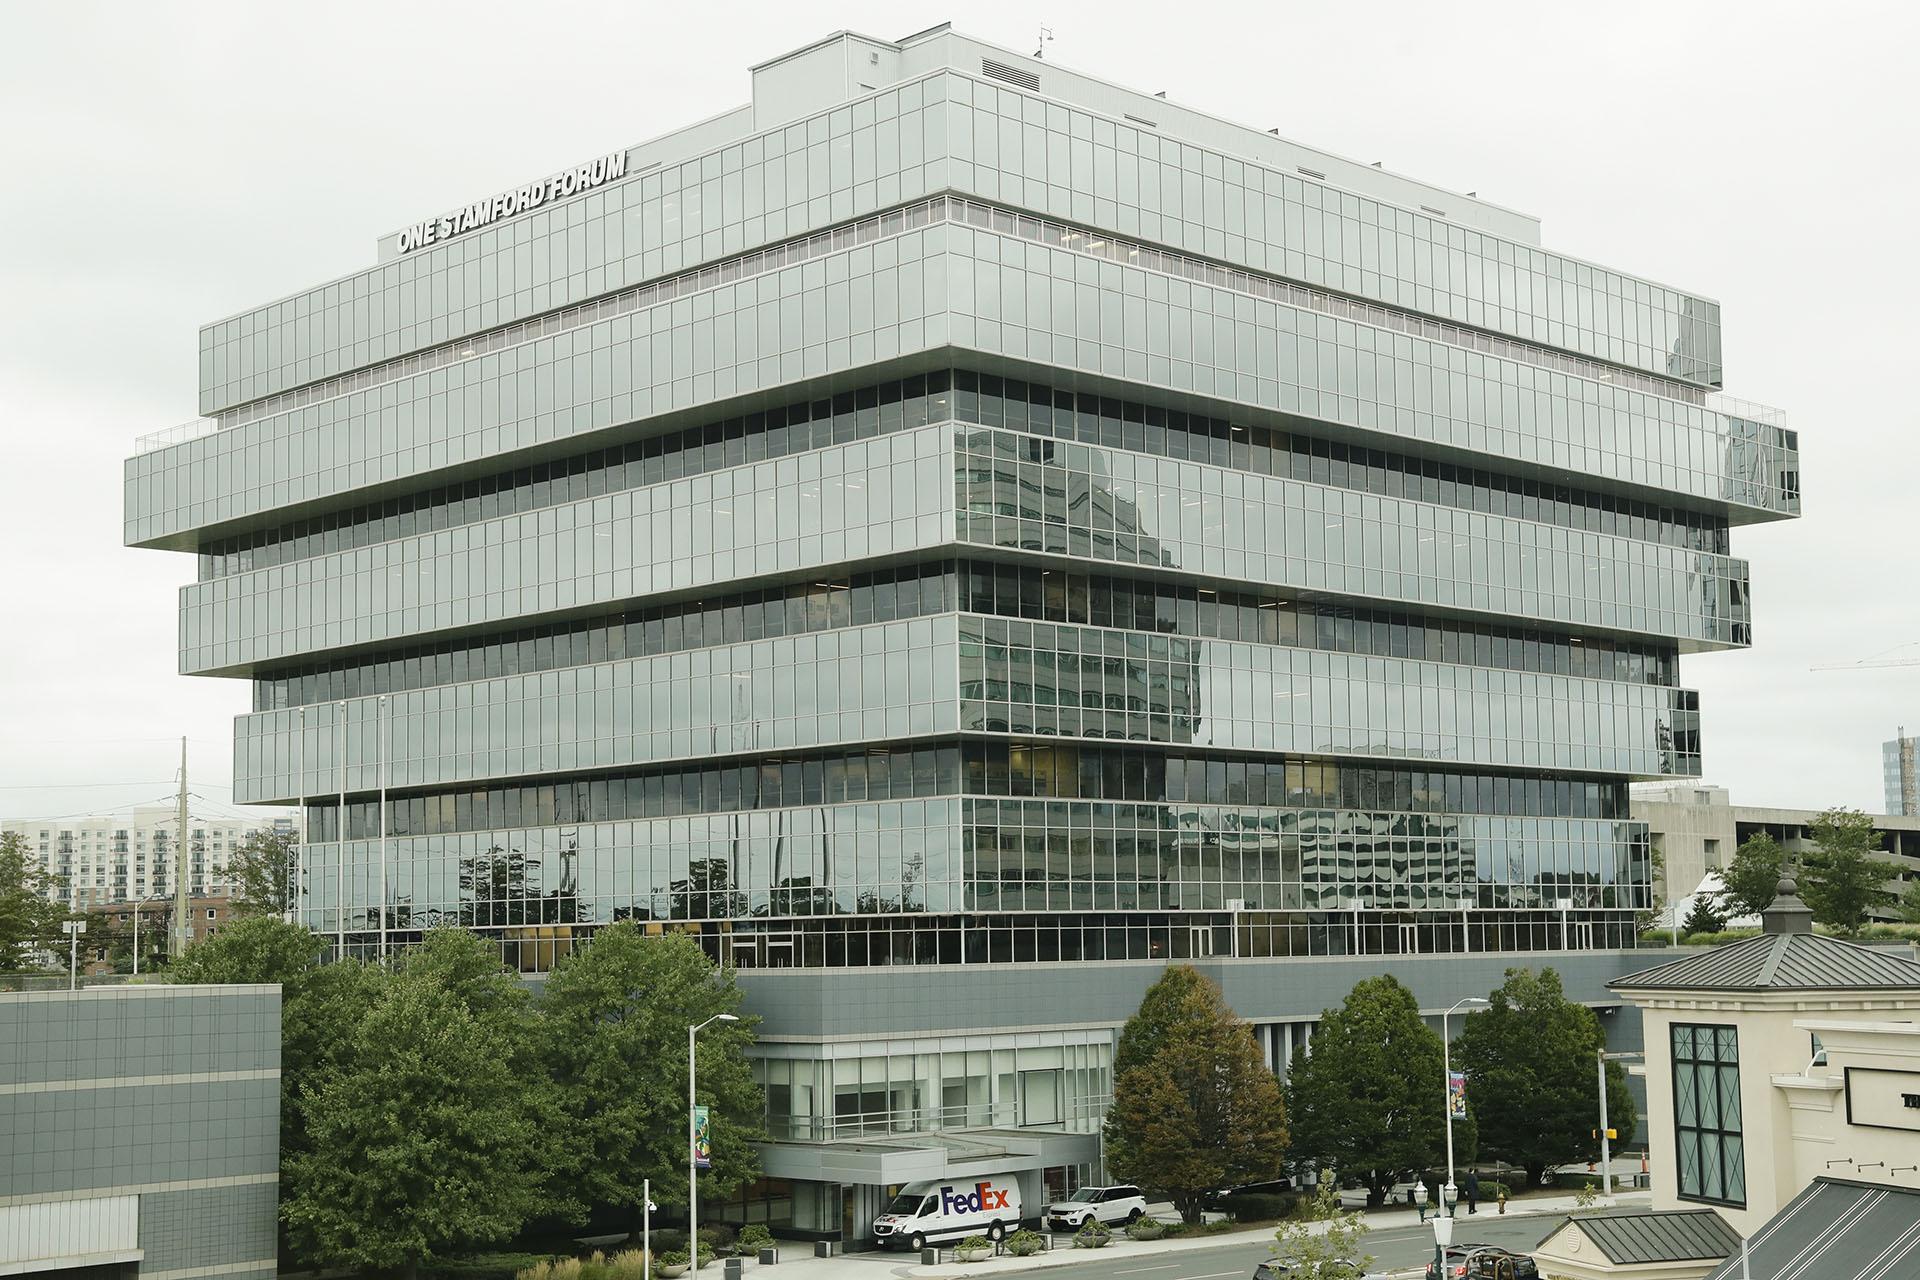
column 954, row 512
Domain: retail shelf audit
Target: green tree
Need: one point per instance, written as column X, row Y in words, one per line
column 1194, row 1105
column 422, row 1143
column 1910, row 903
column 1842, row 880
column 321, row 1006
column 469, row 966
column 1752, row 876
column 1325, row 1244
column 1529, row 1059
column 1368, row 1099
column 613, row 1029
column 29, row 920
column 1703, row 918
column 264, row 869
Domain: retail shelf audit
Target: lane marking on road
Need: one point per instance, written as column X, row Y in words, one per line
column 1211, row 1275
column 1140, row 1271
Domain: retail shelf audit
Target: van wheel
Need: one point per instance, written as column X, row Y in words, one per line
column 996, row 1232
column 917, row 1243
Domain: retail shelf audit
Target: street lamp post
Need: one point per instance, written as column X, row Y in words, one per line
column 1446, row 1094
column 73, row 929
column 693, row 1152
column 1442, row 1237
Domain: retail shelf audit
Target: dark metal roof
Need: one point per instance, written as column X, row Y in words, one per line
column 1673, row 1235
column 1780, row 961
column 1836, row 1230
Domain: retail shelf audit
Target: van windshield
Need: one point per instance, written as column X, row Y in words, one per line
column 905, row 1205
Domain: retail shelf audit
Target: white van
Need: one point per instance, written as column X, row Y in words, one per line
column 927, row 1212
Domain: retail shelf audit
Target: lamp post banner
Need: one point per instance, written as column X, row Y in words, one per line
column 1457, row 1094
column 702, row 1138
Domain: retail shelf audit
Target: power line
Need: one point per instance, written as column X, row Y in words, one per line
column 78, row 786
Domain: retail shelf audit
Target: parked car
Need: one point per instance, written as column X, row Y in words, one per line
column 926, row 1212
column 1217, row 1198
column 1097, row 1204
column 1485, row 1262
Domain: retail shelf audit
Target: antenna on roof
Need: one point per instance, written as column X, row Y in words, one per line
column 1046, row 38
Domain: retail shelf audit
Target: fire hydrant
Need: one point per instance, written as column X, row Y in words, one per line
column 1503, row 1197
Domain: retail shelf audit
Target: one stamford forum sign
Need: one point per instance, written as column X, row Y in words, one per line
column 507, row 204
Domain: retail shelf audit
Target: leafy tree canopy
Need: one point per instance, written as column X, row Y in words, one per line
column 1194, row 1105
column 29, row 921
column 1369, row 1099
column 1326, row 1243
column 264, row 869
column 1842, row 880
column 1752, row 875
column 614, row 1022
column 1703, row 918
column 1531, row 1073
column 423, row 1144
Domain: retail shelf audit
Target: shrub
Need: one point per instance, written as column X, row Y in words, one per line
column 1023, row 1243
column 1146, row 1229
column 674, row 1258
column 1091, row 1235
column 755, row 1237
column 975, row 1244
column 718, row 1238
column 567, row 1269
column 541, row 1270
column 1267, row 1207
column 628, row 1264
column 668, row 1238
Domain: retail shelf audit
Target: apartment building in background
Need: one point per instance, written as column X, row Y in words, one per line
column 955, row 535
column 117, row 857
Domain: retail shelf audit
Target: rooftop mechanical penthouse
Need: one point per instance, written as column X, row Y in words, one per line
column 953, row 510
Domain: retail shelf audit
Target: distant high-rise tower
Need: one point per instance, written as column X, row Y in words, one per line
column 1903, row 795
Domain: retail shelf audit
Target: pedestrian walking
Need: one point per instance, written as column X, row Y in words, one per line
column 1472, row 1188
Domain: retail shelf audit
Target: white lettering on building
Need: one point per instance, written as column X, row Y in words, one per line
column 508, row 204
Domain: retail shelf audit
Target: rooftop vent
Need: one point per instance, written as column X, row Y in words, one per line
column 1012, row 75
column 1139, row 120
column 1311, row 173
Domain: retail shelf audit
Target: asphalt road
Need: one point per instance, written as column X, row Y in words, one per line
column 1399, row 1249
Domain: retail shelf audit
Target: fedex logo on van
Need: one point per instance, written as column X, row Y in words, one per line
column 982, row 1198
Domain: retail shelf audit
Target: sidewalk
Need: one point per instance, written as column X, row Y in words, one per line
column 794, row 1267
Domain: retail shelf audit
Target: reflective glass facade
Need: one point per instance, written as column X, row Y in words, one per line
column 959, row 525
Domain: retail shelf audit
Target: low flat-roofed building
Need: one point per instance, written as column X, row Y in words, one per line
column 1694, row 829
column 140, row 1132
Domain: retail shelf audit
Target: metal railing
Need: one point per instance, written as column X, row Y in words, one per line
column 190, row 430
column 1082, row 1115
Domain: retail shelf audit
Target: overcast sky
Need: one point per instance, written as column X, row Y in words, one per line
column 165, row 165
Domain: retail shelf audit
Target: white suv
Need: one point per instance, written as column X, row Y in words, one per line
column 1110, row 1205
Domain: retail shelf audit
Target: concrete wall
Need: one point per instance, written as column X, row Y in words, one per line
column 815, row 1004
column 169, row 1095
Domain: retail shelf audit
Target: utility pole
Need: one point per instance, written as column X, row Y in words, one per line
column 180, row 922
